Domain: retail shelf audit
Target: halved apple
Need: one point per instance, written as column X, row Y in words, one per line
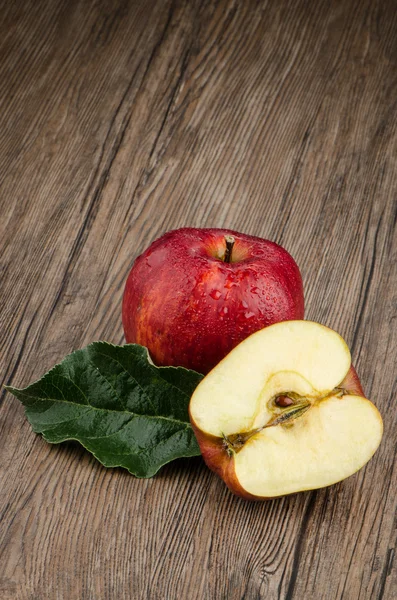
column 285, row 412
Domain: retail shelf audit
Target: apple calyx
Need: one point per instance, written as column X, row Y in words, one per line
column 294, row 406
column 229, row 241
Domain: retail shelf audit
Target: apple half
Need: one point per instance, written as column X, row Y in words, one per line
column 285, row 412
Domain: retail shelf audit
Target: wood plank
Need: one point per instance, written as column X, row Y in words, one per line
column 120, row 121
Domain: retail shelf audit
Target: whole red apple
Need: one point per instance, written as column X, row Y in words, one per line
column 195, row 294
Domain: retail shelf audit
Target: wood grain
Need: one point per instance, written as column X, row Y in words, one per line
column 121, row 120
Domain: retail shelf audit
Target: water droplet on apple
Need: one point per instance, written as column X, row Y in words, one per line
column 230, row 282
column 224, row 310
column 155, row 259
column 215, row 294
column 249, row 314
column 244, row 304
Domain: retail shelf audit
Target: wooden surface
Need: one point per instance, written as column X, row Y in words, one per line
column 121, row 120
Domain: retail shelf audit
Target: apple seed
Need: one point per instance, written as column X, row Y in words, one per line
column 283, row 401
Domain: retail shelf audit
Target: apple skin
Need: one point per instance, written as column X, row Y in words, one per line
column 190, row 308
column 218, row 460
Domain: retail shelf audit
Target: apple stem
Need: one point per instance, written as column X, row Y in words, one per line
column 229, row 240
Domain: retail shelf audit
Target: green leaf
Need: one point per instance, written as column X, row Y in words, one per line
column 117, row 404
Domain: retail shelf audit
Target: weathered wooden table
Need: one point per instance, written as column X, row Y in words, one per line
column 121, row 120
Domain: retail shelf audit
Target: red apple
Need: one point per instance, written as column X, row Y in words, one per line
column 195, row 294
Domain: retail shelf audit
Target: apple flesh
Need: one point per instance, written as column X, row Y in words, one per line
column 195, row 294
column 285, row 412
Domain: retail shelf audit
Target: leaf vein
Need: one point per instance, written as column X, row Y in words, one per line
column 130, row 375
column 172, row 420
